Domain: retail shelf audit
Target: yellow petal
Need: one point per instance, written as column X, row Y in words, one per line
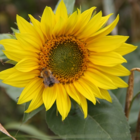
column 83, row 104
column 19, row 84
column 94, row 88
column 105, row 31
column 20, row 79
column 37, row 100
column 82, row 101
column 74, row 22
column 26, row 27
column 99, row 79
column 11, row 44
column 37, row 27
column 91, row 27
column 59, row 27
column 31, row 90
column 17, row 55
column 47, row 21
column 84, row 19
column 49, row 96
column 117, row 70
column 35, row 103
column 104, row 20
column 106, row 59
column 106, row 95
column 27, row 64
column 125, row 49
column 85, row 90
column 6, row 73
column 29, row 42
column 69, row 104
column 118, row 81
column 71, row 22
column 61, row 11
column 19, row 76
column 107, row 43
column 72, row 92
column 11, row 55
column 62, row 101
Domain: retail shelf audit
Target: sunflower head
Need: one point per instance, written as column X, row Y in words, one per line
column 64, row 57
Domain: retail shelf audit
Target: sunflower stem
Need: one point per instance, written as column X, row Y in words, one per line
column 129, row 95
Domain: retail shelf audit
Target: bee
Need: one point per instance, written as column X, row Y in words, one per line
column 48, row 79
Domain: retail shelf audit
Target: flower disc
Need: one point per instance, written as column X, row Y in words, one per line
column 66, row 58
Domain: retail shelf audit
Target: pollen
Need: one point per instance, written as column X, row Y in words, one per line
column 66, row 57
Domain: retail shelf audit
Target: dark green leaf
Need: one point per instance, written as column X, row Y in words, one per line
column 106, row 121
column 69, row 4
column 28, row 116
column 134, row 112
column 11, row 62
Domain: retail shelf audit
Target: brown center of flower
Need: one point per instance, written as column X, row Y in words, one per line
column 66, row 57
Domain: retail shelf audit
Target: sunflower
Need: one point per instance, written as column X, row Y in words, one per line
column 65, row 57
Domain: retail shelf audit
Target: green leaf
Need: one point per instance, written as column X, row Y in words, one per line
column 14, row 30
column 2, row 55
column 69, row 4
column 13, row 92
column 11, row 62
column 136, row 96
column 105, row 121
column 134, row 112
column 4, row 36
column 29, row 130
column 12, row 36
column 28, row 116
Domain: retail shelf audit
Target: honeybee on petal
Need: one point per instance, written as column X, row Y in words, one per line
column 48, row 79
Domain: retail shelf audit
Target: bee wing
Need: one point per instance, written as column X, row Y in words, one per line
column 46, row 81
column 56, row 81
column 46, row 86
column 53, row 79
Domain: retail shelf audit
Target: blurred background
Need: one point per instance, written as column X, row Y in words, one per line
column 11, row 114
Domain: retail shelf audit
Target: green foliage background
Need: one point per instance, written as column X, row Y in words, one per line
column 11, row 114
